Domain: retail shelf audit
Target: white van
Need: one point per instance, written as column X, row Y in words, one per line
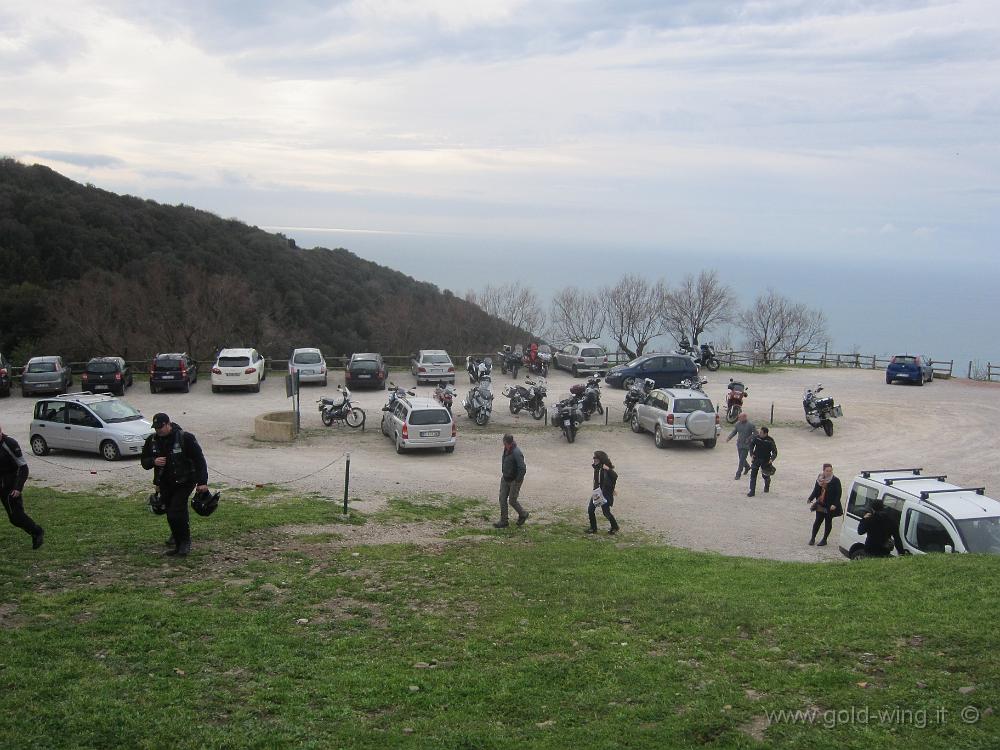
column 933, row 515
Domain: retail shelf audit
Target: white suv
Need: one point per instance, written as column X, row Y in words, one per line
column 677, row 414
column 238, row 368
column 933, row 515
column 419, row 423
column 85, row 422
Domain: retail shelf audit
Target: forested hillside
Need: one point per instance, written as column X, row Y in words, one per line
column 87, row 272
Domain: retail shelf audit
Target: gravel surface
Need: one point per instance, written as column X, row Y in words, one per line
column 685, row 493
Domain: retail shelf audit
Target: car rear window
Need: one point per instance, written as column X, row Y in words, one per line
column 307, row 358
column 364, row 365
column 168, row 363
column 904, row 359
column 102, row 367
column 42, row 367
column 234, row 361
column 437, row 359
column 688, row 405
column 592, row 352
column 429, row 416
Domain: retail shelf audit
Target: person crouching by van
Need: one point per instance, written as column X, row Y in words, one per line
column 882, row 528
column 603, row 495
column 825, row 501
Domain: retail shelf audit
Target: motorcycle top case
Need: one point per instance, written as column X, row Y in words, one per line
column 578, row 389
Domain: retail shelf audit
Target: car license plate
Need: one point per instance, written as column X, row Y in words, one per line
column 566, row 423
column 307, row 372
column 167, row 377
column 100, row 387
column 233, row 374
column 364, row 377
column 430, row 433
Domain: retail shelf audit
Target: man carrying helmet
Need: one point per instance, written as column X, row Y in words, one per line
column 179, row 467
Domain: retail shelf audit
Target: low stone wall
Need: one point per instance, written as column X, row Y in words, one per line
column 275, row 427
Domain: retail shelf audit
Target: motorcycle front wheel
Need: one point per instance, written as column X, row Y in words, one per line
column 513, row 371
column 515, row 406
column 828, row 427
column 327, row 417
column 570, row 434
column 538, row 412
column 600, row 408
column 627, row 416
column 713, row 364
column 482, row 417
column 355, row 417
column 733, row 414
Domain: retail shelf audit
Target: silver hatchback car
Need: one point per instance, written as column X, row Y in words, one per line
column 432, row 366
column 677, row 414
column 88, row 423
column 415, row 422
column 45, row 375
column 582, row 357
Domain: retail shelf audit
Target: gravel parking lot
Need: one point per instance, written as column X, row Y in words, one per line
column 685, row 494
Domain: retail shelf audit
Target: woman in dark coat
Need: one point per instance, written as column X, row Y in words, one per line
column 605, row 478
column 825, row 501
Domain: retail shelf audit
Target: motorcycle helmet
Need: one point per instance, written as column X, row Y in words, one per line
column 204, row 503
column 156, row 504
column 649, row 384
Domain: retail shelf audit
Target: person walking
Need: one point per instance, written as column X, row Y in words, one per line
column 13, row 475
column 882, row 528
column 763, row 451
column 605, row 479
column 179, row 467
column 512, row 470
column 825, row 501
column 744, row 431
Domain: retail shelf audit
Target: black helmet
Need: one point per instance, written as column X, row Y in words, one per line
column 204, row 503
column 156, row 504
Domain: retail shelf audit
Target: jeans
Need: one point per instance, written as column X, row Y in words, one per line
column 509, row 490
column 744, row 467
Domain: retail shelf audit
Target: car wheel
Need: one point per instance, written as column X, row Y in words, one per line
column 215, row 389
column 152, row 388
column 324, row 381
column 627, row 383
column 449, row 449
column 888, row 381
column 636, row 427
column 256, row 387
column 920, row 380
column 38, row 446
column 575, row 371
column 711, row 443
column 187, row 387
column 399, row 447
column 109, row 450
column 24, row 393
column 658, row 438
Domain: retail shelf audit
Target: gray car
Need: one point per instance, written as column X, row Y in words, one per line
column 432, row 366
column 45, row 375
column 88, row 423
column 582, row 358
column 419, row 423
column 677, row 414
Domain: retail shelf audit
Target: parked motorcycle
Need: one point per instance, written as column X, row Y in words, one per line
column 538, row 359
column 478, row 402
column 340, row 409
column 395, row 393
column 529, row 397
column 635, row 395
column 694, row 384
column 589, row 394
column 445, row 395
column 478, row 368
column 702, row 354
column 568, row 416
column 734, row 400
column 510, row 359
column 820, row 412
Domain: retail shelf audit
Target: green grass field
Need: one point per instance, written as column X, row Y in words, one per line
column 290, row 626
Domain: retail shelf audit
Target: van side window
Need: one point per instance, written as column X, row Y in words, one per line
column 926, row 533
column 861, row 495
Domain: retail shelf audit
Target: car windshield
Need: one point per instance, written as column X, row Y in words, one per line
column 688, row 405
column 307, row 358
column 437, row 359
column 102, row 367
column 636, row 362
column 904, row 359
column 165, row 363
column 592, row 352
column 981, row 534
column 234, row 361
column 115, row 411
column 364, row 365
column 41, row 367
column 429, row 416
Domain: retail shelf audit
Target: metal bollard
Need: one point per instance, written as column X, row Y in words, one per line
column 772, row 412
column 347, row 480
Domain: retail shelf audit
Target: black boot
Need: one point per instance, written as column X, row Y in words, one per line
column 171, row 542
column 181, row 550
column 38, row 538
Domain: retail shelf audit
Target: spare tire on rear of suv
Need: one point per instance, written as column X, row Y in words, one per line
column 700, row 424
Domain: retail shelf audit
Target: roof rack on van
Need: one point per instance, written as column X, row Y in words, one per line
column 892, row 480
column 868, row 473
column 78, row 393
column 925, row 494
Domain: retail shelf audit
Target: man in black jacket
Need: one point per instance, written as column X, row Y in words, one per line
column 762, row 452
column 512, row 470
column 882, row 528
column 178, row 468
column 13, row 475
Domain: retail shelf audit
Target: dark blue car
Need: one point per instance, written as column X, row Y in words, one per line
column 916, row 368
column 666, row 370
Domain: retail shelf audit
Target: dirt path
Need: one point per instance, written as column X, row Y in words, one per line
column 684, row 493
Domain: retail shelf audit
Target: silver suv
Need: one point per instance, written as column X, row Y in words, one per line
column 89, row 423
column 582, row 357
column 419, row 423
column 432, row 366
column 677, row 414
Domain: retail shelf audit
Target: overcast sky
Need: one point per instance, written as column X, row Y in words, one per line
column 845, row 153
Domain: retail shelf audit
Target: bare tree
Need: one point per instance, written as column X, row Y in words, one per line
column 697, row 305
column 633, row 308
column 576, row 315
column 774, row 323
column 512, row 303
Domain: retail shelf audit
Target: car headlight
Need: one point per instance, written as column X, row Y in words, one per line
column 133, row 438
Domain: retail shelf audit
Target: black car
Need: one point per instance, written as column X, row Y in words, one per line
column 172, row 371
column 667, row 370
column 112, row 374
column 366, row 370
column 5, row 369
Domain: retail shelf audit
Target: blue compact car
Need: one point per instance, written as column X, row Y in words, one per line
column 915, row 368
column 667, row 370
